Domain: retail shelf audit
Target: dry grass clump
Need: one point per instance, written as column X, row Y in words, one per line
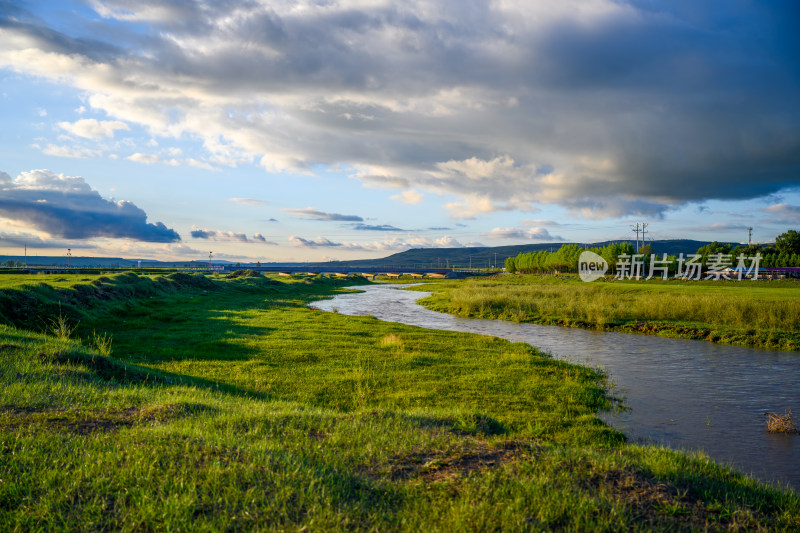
column 780, row 423
column 392, row 341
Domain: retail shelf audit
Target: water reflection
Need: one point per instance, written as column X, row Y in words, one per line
column 683, row 394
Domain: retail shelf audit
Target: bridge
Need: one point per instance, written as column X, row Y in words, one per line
column 286, row 270
column 390, row 271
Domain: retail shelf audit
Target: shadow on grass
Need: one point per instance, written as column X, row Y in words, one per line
column 198, row 326
column 108, row 369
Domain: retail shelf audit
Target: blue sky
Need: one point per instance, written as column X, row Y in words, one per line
column 314, row 130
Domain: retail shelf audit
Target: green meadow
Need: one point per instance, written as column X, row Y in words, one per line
column 755, row 313
column 197, row 403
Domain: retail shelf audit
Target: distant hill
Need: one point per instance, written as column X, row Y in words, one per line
column 103, row 262
column 486, row 256
column 424, row 257
column 60, row 261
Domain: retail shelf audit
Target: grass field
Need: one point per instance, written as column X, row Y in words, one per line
column 757, row 313
column 205, row 404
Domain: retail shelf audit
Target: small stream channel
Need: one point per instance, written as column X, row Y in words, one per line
column 690, row 395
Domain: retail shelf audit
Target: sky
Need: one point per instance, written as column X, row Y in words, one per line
column 314, row 130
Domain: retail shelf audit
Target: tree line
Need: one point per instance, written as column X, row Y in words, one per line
column 785, row 252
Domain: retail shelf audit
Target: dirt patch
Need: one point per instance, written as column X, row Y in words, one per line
column 434, row 466
column 317, row 435
column 94, row 420
column 244, row 274
column 658, row 502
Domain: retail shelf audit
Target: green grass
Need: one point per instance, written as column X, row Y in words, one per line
column 227, row 404
column 757, row 313
column 9, row 281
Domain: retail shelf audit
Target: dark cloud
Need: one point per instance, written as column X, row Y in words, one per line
column 380, row 227
column 315, row 214
column 228, row 236
column 612, row 108
column 67, row 207
column 320, row 242
column 21, row 240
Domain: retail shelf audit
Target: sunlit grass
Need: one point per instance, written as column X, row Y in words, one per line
column 762, row 313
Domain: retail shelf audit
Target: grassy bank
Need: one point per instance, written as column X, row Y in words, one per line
column 754, row 313
column 228, row 404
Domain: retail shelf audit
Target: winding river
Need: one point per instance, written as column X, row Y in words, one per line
column 684, row 394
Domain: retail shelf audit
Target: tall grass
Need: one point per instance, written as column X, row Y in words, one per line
column 760, row 309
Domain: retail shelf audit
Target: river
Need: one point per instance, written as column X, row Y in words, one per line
column 684, row 394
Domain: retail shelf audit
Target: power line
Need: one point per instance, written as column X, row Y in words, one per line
column 635, row 228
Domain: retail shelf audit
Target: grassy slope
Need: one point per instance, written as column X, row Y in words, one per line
column 234, row 406
column 760, row 313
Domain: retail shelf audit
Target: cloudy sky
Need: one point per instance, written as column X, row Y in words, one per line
column 277, row 130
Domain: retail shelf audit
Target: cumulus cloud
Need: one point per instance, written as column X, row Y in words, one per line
column 228, row 236
column 93, row 129
column 315, row 214
column 525, row 234
column 607, row 108
column 68, row 207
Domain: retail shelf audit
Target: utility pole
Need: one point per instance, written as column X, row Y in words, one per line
column 636, row 230
column 644, row 225
column 749, row 236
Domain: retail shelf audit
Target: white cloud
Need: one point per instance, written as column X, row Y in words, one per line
column 408, row 197
column 784, row 213
column 151, row 159
column 75, row 152
column 525, row 234
column 90, row 128
column 192, row 162
column 246, row 201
